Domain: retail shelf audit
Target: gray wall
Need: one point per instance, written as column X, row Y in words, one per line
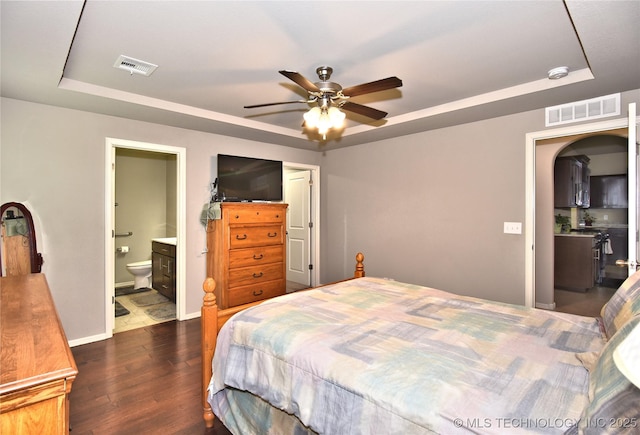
column 425, row 208
column 145, row 191
column 429, row 208
column 53, row 160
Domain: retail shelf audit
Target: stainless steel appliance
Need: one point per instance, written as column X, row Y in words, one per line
column 600, row 241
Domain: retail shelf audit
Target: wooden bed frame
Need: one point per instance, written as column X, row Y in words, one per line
column 212, row 320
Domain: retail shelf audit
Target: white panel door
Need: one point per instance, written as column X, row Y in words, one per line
column 297, row 195
column 632, row 261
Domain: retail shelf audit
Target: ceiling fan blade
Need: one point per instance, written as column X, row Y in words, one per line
column 377, row 86
column 367, row 111
column 301, row 80
column 253, row 106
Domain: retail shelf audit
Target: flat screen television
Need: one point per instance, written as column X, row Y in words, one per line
column 248, row 179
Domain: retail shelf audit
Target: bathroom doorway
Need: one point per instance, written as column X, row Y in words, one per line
column 144, row 202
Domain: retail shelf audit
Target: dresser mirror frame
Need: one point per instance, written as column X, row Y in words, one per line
column 35, row 258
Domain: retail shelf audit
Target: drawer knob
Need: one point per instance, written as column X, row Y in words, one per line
column 258, row 275
column 258, row 257
column 257, row 293
column 272, row 234
column 239, row 237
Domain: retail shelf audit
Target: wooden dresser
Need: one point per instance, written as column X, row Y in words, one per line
column 246, row 252
column 37, row 367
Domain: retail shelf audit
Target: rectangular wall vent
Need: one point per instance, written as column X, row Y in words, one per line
column 134, row 65
column 584, row 110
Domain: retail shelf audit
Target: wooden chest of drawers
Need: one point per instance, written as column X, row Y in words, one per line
column 246, row 252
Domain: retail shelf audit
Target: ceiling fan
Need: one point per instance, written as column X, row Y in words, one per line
column 330, row 97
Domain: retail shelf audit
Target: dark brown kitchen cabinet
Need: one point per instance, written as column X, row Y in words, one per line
column 572, row 182
column 163, row 276
column 575, row 262
column 609, row 191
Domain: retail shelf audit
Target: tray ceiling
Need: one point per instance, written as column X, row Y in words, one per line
column 459, row 61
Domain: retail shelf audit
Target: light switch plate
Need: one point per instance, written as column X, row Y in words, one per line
column 513, row 227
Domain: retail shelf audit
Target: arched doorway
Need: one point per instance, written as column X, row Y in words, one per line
column 585, row 274
column 546, row 151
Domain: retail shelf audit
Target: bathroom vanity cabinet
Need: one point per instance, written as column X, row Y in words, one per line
column 163, row 277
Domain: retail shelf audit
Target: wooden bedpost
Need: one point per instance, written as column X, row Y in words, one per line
column 359, row 272
column 209, row 336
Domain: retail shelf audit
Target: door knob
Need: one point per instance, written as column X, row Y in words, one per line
column 627, row 263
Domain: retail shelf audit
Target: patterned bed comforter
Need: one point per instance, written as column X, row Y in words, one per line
column 377, row 356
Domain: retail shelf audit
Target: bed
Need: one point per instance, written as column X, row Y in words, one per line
column 371, row 355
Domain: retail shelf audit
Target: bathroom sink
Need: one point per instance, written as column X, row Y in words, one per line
column 167, row 240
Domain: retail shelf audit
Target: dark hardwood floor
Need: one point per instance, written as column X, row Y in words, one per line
column 144, row 381
column 588, row 303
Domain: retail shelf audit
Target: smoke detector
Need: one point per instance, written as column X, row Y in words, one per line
column 134, row 66
column 558, row 73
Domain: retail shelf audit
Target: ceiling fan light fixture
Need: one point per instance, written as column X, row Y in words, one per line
column 324, row 119
column 558, row 73
column 330, row 98
column 312, row 117
column 337, row 117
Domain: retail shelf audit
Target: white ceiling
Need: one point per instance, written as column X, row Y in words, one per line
column 459, row 61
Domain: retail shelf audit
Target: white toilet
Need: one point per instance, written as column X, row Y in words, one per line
column 141, row 270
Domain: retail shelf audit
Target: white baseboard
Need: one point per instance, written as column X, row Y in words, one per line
column 100, row 337
column 546, row 306
column 87, row 340
column 190, row 316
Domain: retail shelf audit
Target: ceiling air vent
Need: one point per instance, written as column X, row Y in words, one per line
column 584, row 110
column 134, row 65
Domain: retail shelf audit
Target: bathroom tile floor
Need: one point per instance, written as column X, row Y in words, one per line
column 137, row 317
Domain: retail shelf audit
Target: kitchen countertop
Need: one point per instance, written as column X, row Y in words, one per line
column 591, row 231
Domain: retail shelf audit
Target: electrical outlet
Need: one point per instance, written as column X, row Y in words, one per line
column 513, row 227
